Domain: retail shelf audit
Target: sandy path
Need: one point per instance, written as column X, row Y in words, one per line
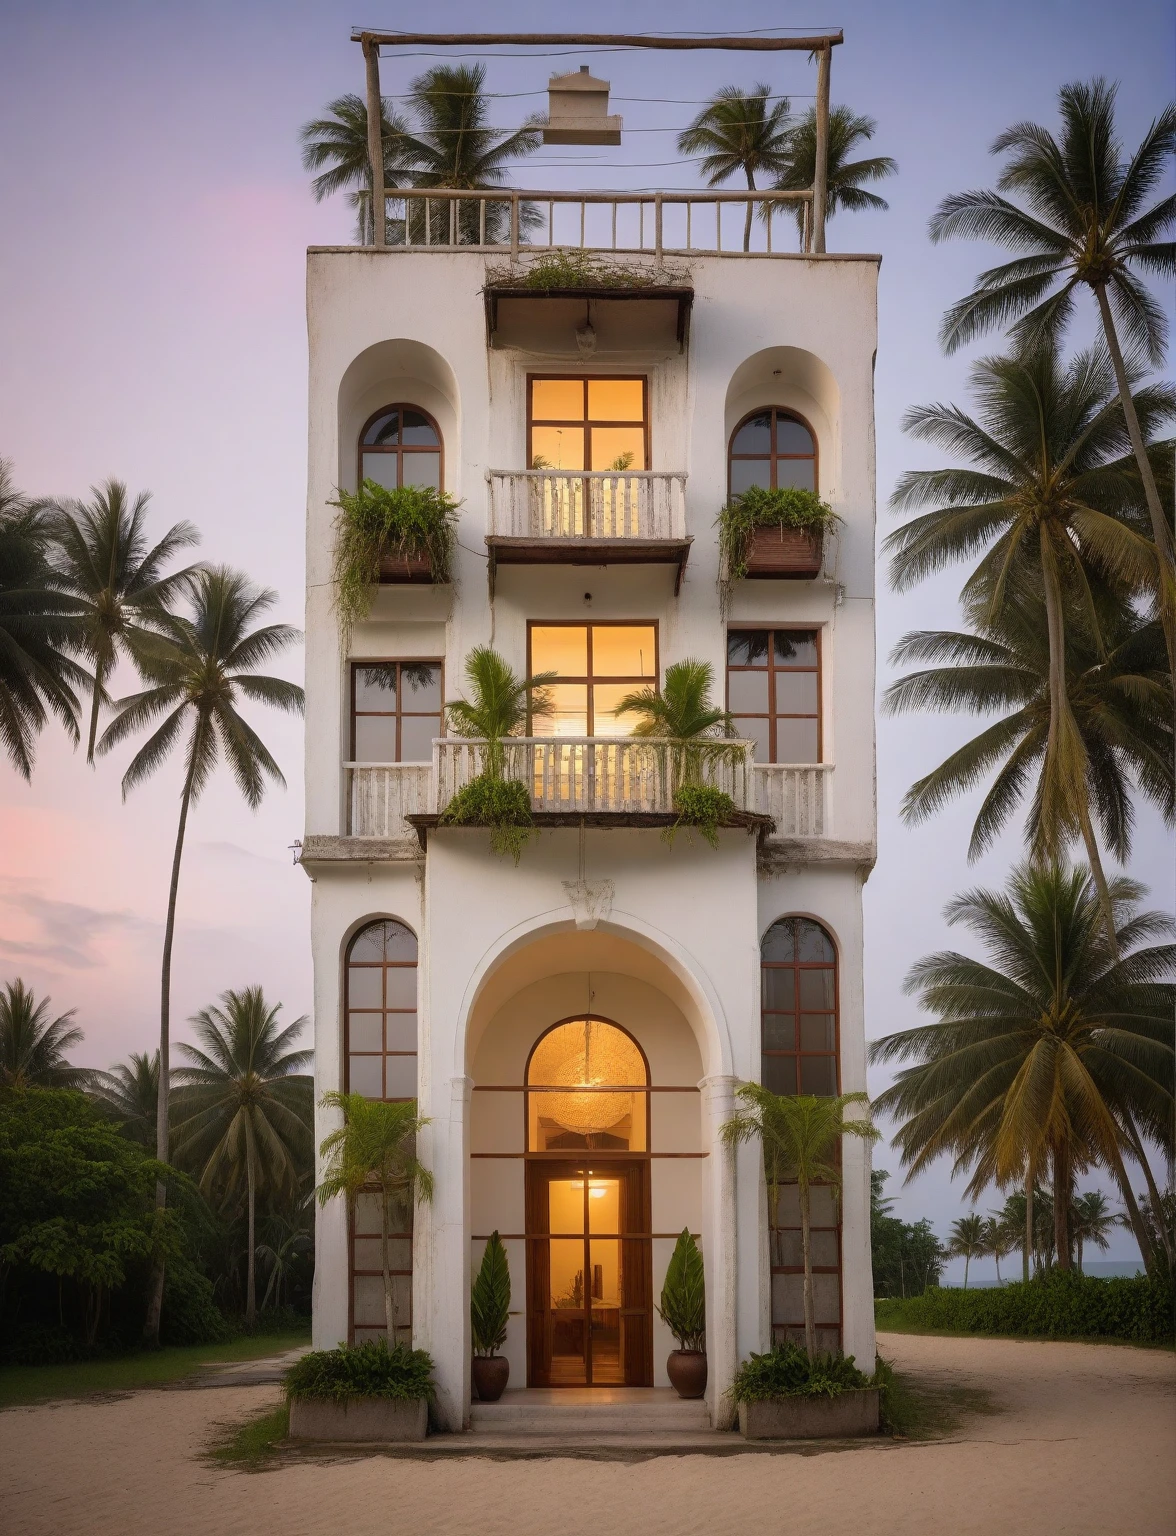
column 1086, row 1446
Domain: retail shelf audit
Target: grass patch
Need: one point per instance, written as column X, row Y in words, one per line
column 251, row 1446
column 21, row 1384
column 927, row 1408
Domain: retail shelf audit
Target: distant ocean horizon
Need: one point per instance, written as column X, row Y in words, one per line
column 1099, row 1269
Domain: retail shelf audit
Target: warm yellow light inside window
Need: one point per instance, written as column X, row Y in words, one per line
column 561, row 648
column 618, row 448
column 557, row 448
column 623, row 650
column 558, row 400
column 615, row 400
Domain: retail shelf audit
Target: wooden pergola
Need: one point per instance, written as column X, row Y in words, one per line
column 822, row 44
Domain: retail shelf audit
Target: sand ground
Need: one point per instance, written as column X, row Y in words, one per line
column 1086, row 1443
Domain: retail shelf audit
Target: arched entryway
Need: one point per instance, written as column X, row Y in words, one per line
column 588, row 1208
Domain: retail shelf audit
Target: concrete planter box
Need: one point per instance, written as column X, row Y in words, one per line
column 361, row 1419
column 811, row 1418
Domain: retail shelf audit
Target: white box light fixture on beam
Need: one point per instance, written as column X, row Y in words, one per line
column 578, row 111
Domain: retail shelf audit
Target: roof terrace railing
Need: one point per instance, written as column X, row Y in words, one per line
column 519, row 221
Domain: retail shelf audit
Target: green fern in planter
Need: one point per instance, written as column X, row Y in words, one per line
column 787, row 1371
column 502, row 805
column 701, row 807
column 412, row 522
column 490, row 1299
column 786, row 507
column 683, row 1297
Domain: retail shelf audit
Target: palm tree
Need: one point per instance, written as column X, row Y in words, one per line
column 1027, row 1219
column 453, row 147
column 284, row 1240
column 999, row 1241
column 1091, row 1218
column 500, row 703
column 684, row 714
column 847, row 131
column 968, row 1240
column 32, row 1045
column 737, row 133
column 118, row 581
column 339, row 142
column 1053, row 1055
column 38, row 630
column 131, row 1090
column 245, row 1108
column 198, row 668
column 1087, row 222
column 375, row 1148
column 1048, row 502
column 1118, row 697
column 801, row 1136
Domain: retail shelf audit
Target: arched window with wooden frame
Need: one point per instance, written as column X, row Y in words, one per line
column 380, row 1057
column 772, row 448
column 799, row 1043
column 380, row 1018
column 401, row 445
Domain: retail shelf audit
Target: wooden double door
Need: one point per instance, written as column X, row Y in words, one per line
column 589, row 1273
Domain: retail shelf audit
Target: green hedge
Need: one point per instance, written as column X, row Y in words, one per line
column 1058, row 1304
column 361, row 1370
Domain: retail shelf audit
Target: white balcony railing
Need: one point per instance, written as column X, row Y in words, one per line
column 593, row 773
column 794, row 796
column 598, row 504
column 381, row 795
column 584, row 774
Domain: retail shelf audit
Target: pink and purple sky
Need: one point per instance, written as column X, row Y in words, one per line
column 155, row 219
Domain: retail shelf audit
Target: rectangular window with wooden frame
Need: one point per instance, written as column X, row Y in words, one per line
column 595, row 665
column 577, row 423
column 774, row 692
column 396, row 711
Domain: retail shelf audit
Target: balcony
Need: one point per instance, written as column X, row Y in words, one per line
column 600, row 517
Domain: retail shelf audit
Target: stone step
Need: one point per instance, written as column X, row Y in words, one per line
column 581, row 1412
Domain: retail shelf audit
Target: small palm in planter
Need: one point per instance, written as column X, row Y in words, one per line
column 683, row 1310
column 489, row 1313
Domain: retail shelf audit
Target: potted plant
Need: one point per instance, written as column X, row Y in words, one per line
column 375, row 1149
column 683, row 1310
column 695, row 736
column 498, row 707
column 360, row 1392
column 787, row 1394
column 489, row 1314
column 407, row 533
column 772, row 533
column 800, row 1134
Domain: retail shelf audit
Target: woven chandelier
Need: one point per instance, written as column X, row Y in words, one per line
column 587, row 1054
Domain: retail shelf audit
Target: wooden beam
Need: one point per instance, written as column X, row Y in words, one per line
column 375, row 123
column 821, row 167
column 820, row 43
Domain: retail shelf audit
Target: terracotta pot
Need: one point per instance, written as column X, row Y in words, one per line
column 777, row 551
column 686, row 1369
column 491, row 1374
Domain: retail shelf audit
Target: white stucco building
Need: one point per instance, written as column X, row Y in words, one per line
column 444, row 972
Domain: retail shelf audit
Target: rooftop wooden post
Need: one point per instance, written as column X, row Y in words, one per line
column 375, row 123
column 821, row 166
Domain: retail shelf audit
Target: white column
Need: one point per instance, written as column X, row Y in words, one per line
column 857, row 1280
column 720, row 1235
column 441, row 1278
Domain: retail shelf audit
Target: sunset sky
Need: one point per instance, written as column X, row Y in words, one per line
column 155, row 219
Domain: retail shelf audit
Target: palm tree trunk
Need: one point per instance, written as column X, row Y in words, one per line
column 747, row 220
column 1063, row 1193
column 967, row 1262
column 1065, row 752
column 251, row 1261
column 1145, row 1246
column 155, row 1290
column 95, row 705
column 1078, row 1245
column 1161, row 534
column 1028, row 1225
column 389, row 1302
column 810, row 1332
column 999, row 1281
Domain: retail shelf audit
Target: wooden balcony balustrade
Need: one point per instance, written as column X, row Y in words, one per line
column 587, row 517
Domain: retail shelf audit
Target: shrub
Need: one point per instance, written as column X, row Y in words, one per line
column 683, row 1297
column 490, row 1299
column 361, row 1370
column 1058, row 1304
column 190, row 1314
column 503, row 805
column 412, row 522
column 701, row 806
column 787, row 1371
column 582, row 269
column 786, row 507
